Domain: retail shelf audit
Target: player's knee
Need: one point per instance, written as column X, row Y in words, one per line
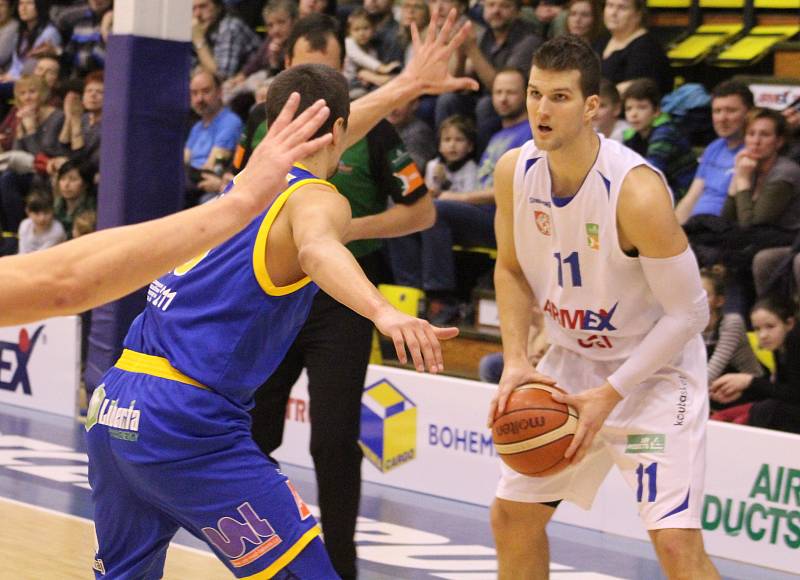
column 680, row 552
column 509, row 518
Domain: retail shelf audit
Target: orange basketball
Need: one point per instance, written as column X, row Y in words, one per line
column 533, row 433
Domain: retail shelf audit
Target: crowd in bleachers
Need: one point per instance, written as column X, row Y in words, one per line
column 733, row 169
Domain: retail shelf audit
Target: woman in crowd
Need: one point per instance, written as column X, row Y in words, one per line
column 775, row 324
column 73, row 194
column 584, row 20
column 631, row 52
column 9, row 30
column 37, row 36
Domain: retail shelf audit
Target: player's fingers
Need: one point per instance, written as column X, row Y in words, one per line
column 580, row 433
column 445, row 333
column 460, row 36
column 447, row 30
column 544, row 379
column 412, row 344
column 492, row 412
column 399, row 347
column 428, row 349
column 437, row 348
column 585, row 445
column 286, row 114
column 415, row 39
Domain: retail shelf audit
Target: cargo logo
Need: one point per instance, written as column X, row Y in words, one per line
column 231, row 537
column 769, row 514
column 581, row 319
column 388, row 426
column 14, row 359
column 123, row 422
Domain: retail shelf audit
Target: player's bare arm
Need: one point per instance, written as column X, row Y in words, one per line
column 647, row 226
column 427, row 73
column 515, row 300
column 94, row 269
column 319, row 218
column 398, row 220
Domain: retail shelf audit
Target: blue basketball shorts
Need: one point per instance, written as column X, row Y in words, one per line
column 164, row 455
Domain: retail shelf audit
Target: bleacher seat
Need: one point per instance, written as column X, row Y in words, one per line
column 699, row 44
column 755, row 45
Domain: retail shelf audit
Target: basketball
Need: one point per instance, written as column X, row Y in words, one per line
column 533, row 433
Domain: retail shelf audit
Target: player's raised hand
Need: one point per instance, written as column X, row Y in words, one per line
column 287, row 141
column 430, row 65
column 419, row 336
column 593, row 406
column 515, row 374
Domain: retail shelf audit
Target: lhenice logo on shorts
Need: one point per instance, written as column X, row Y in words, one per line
column 646, row 443
column 123, row 422
column 683, row 401
column 233, row 537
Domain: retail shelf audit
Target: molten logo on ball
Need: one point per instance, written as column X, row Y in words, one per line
column 533, row 433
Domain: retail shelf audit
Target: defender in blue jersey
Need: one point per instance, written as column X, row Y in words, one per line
column 168, row 430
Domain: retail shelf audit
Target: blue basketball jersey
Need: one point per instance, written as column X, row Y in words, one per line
column 219, row 319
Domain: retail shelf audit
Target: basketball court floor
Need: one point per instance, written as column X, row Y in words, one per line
column 46, row 534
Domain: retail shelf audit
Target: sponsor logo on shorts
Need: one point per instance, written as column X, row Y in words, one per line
column 302, row 508
column 123, row 422
column 542, row 222
column 646, row 443
column 243, row 542
column 683, row 401
column 595, row 341
column 388, row 426
column 159, row 295
column 14, row 357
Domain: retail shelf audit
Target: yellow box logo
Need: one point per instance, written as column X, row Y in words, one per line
column 388, row 426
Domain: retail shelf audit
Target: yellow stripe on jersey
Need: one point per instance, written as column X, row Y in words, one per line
column 260, row 248
column 286, row 557
column 156, row 366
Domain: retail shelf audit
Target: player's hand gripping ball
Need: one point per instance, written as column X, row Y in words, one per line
column 533, row 433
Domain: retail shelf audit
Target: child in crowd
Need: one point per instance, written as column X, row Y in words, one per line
column 655, row 137
column 774, row 322
column 73, row 195
column 454, row 169
column 39, row 230
column 607, row 120
column 726, row 335
column 360, row 54
column 84, row 223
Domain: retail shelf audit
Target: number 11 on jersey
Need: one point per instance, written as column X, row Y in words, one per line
column 574, row 268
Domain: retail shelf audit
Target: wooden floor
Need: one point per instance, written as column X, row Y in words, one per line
column 38, row 544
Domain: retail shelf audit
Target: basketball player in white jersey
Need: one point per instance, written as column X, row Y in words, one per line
column 586, row 228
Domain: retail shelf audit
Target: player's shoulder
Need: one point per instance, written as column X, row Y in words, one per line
column 509, row 160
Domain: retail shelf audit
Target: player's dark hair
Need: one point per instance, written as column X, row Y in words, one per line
column 716, row 275
column 783, row 308
column 315, row 29
column 313, row 82
column 643, row 90
column 738, row 88
column 565, row 53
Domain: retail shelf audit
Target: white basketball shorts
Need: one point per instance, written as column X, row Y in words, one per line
column 655, row 436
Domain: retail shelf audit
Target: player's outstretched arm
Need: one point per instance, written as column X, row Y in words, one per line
column 100, row 267
column 319, row 219
column 515, row 300
column 427, row 73
column 647, row 222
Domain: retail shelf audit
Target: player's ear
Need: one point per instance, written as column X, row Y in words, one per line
column 338, row 131
column 591, row 107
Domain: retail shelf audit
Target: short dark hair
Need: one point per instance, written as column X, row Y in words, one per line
column 313, row 82
column 730, row 87
column 514, row 71
column 783, row 308
column 643, row 90
column 608, row 90
column 565, row 53
column 287, row 6
column 38, row 202
column 781, row 126
column 316, row 28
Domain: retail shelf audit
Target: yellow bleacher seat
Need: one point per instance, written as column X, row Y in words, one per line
column 722, row 4
column 405, row 298
column 777, row 4
column 765, row 357
column 674, row 4
column 491, row 252
column 757, row 43
column 701, row 42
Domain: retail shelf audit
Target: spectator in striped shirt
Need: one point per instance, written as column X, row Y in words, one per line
column 86, row 50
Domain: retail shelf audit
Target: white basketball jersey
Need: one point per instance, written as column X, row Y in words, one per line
column 595, row 298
